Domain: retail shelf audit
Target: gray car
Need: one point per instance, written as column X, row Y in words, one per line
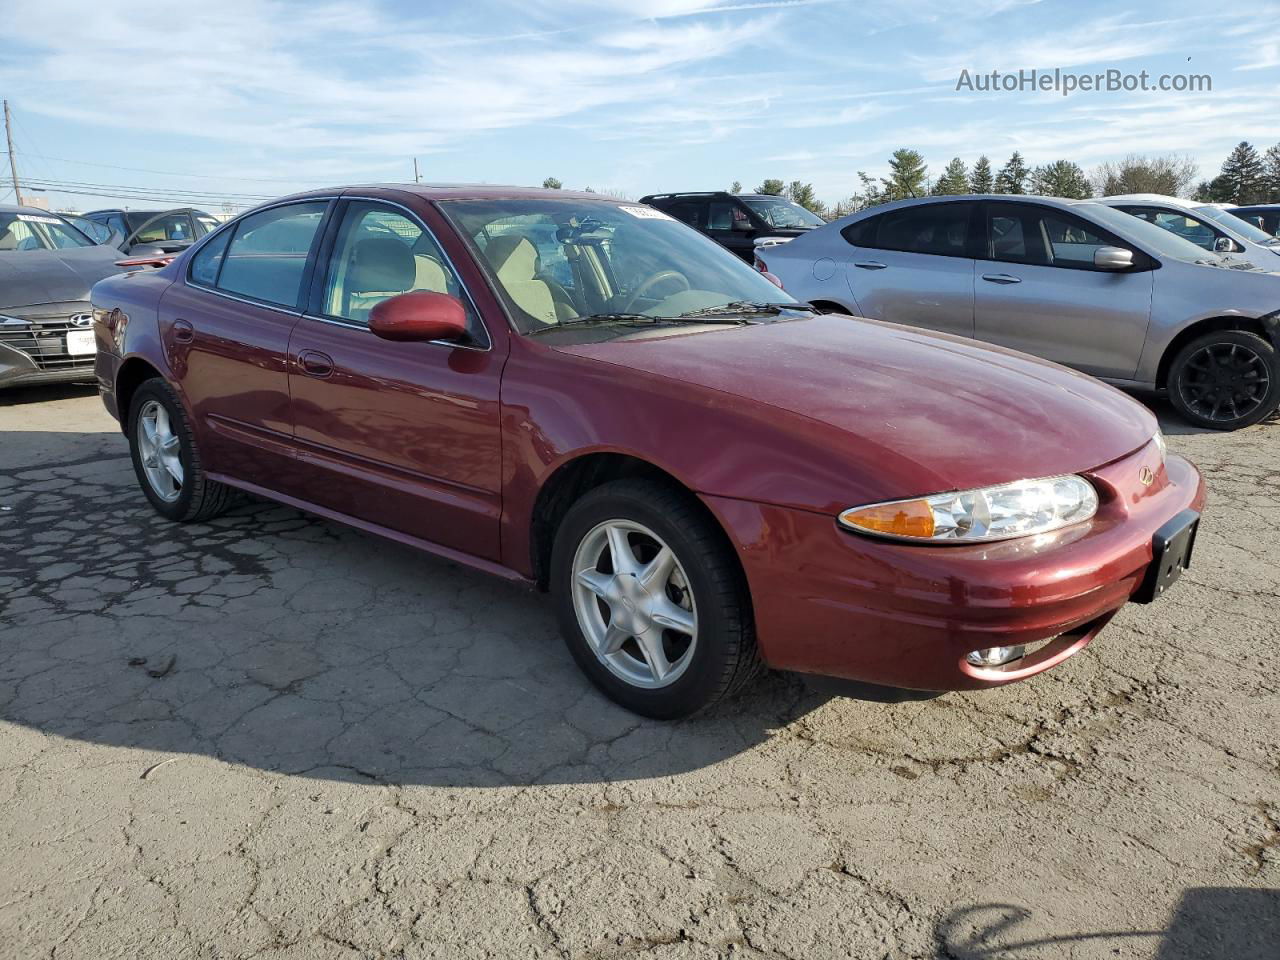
column 46, row 269
column 1076, row 282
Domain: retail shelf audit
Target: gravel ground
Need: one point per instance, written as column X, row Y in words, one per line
column 274, row 736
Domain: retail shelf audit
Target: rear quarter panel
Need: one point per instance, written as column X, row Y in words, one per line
column 125, row 326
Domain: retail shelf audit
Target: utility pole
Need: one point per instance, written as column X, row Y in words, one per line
column 416, row 178
column 13, row 163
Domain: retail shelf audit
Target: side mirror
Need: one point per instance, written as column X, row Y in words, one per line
column 420, row 315
column 1224, row 245
column 743, row 226
column 1112, row 258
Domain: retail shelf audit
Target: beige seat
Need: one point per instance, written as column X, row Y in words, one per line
column 430, row 274
column 515, row 261
column 381, row 268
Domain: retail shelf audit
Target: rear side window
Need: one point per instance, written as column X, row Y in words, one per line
column 208, row 260
column 687, row 211
column 941, row 229
column 267, row 257
column 862, row 233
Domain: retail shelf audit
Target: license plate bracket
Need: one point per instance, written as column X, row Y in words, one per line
column 1171, row 548
column 80, row 343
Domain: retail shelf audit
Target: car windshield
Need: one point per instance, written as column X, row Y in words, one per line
column 562, row 260
column 38, row 231
column 778, row 212
column 1241, row 227
column 1157, row 238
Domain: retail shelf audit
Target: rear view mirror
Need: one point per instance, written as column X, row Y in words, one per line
column 420, row 315
column 1112, row 258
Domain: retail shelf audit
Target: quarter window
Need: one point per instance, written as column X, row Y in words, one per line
column 267, row 257
column 208, row 259
column 381, row 254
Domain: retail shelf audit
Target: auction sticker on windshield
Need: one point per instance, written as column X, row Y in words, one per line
column 646, row 213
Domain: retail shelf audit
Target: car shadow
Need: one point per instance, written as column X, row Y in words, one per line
column 277, row 640
column 43, row 393
column 1171, row 422
column 1208, row 923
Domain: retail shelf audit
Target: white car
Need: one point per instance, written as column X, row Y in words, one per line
column 1208, row 225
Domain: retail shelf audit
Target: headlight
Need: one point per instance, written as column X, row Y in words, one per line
column 980, row 516
column 13, row 321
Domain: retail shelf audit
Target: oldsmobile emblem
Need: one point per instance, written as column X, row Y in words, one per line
column 1147, row 476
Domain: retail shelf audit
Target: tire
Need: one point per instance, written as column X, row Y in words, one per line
column 1225, row 380
column 705, row 581
column 173, row 478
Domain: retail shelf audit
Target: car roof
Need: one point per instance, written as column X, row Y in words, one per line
column 144, row 211
column 453, row 191
column 711, row 193
column 1155, row 198
column 1061, row 202
column 34, row 211
column 1256, row 206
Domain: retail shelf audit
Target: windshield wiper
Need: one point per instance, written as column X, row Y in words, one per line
column 645, row 318
column 739, row 307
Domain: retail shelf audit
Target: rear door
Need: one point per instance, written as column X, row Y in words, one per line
column 912, row 266
column 1038, row 291
column 225, row 329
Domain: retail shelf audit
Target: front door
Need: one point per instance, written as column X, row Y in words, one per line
column 225, row 332
column 1038, row 291
column 404, row 436
column 729, row 224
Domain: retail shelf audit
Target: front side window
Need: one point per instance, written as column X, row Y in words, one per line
column 779, row 212
column 267, row 256
column 608, row 258
column 380, row 254
column 35, row 231
column 208, row 224
column 167, row 228
column 727, row 215
column 940, row 229
column 1189, row 228
column 1020, row 233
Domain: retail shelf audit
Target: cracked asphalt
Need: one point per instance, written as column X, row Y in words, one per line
column 272, row 736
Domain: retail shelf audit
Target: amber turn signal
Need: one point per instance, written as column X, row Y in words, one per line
column 908, row 518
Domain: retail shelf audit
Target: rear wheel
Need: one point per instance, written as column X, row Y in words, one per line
column 1225, row 380
column 166, row 458
column 651, row 600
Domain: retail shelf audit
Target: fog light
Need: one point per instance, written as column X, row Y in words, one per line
column 995, row 656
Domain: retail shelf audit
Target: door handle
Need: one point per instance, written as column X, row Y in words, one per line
column 1001, row 278
column 183, row 332
column 313, row 363
column 869, row 265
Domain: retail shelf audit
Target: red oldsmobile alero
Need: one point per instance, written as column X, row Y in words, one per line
column 590, row 396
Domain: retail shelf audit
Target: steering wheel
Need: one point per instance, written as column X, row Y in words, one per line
column 651, row 281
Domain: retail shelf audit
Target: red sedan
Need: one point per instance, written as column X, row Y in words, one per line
column 589, row 396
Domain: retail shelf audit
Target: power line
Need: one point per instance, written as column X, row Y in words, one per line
column 52, row 183
column 164, row 173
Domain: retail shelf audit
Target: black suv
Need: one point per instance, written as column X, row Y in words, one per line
column 737, row 220
column 155, row 231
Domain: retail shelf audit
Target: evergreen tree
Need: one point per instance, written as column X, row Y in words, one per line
column 1062, row 178
column 981, row 180
column 1242, row 175
column 551, row 183
column 736, row 187
column 1271, row 174
column 774, row 188
column 954, row 179
column 907, row 177
column 1013, row 176
column 803, row 194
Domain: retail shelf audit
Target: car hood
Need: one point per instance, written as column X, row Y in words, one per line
column 917, row 411
column 53, row 276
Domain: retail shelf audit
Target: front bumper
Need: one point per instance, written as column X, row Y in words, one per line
column 832, row 602
column 36, row 351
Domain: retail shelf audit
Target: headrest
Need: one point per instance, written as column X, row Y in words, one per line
column 381, row 264
column 513, row 257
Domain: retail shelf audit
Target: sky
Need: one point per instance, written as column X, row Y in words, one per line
column 243, row 99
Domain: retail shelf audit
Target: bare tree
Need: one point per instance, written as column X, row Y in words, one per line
column 1168, row 174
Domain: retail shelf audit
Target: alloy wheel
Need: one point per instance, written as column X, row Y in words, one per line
column 634, row 604
column 159, row 449
column 1224, row 381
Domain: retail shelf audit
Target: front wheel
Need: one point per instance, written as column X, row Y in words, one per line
column 1225, row 380
column 651, row 600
